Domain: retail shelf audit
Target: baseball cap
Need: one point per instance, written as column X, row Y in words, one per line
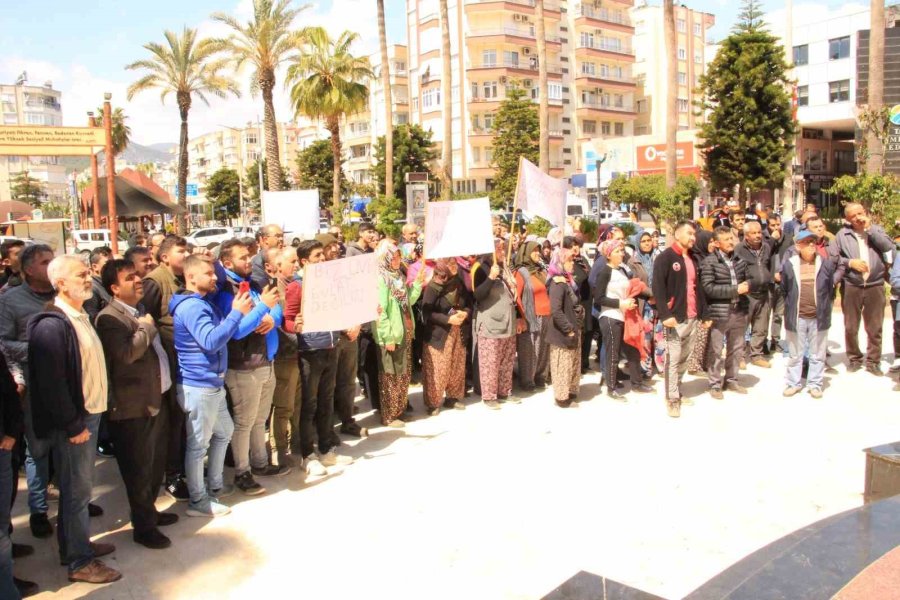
column 804, row 234
column 326, row 239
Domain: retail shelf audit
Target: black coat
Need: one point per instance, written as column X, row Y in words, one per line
column 436, row 307
column 721, row 295
column 670, row 285
column 11, row 419
column 759, row 271
column 564, row 308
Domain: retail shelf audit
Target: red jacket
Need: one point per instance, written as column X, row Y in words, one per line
column 635, row 325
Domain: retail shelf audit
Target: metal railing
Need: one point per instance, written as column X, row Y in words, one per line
column 521, row 65
column 602, row 14
column 600, row 105
column 523, row 33
column 552, row 6
column 607, row 76
column 607, row 46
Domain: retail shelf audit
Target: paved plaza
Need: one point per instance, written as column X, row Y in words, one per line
column 482, row 504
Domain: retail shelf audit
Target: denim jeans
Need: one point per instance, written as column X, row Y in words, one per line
column 806, row 341
column 37, row 465
column 75, row 469
column 251, row 400
column 7, row 481
column 209, row 427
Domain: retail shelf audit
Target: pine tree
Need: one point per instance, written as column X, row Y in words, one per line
column 27, row 189
column 749, row 129
column 315, row 169
column 517, row 133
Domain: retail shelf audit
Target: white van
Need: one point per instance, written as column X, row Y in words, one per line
column 87, row 240
column 576, row 207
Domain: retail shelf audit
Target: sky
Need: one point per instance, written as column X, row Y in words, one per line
column 83, row 47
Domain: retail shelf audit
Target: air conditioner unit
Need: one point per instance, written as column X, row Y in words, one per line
column 524, row 18
column 502, row 79
column 526, row 50
column 517, row 17
column 526, row 83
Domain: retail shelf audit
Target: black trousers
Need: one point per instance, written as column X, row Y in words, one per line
column 345, row 379
column 368, row 368
column 175, row 433
column 863, row 305
column 896, row 331
column 317, row 372
column 141, row 455
column 612, row 331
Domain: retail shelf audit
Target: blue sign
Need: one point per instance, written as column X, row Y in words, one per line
column 191, row 190
column 590, row 161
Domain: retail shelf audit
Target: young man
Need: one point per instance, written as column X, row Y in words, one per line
column 779, row 241
column 202, row 333
column 757, row 256
column 318, row 366
column 366, row 242
column 139, row 257
column 681, row 303
column 99, row 299
column 726, row 286
column 68, row 378
column 737, row 219
column 139, row 376
column 160, row 286
column 12, row 268
column 250, row 377
column 807, row 281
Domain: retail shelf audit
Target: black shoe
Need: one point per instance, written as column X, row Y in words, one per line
column 152, row 539
column 26, row 588
column 354, row 430
column 642, row 388
column 270, row 471
column 573, row 396
column 94, row 510
column 875, row 370
column 106, row 449
column 409, row 408
column 248, row 485
column 176, row 488
column 40, row 525
column 164, row 519
column 22, row 550
column 540, row 384
column 528, row 389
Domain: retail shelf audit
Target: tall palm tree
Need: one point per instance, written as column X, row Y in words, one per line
column 188, row 68
column 327, row 83
column 671, row 93
column 388, row 106
column 121, row 133
column 543, row 99
column 447, row 103
column 875, row 160
column 266, row 42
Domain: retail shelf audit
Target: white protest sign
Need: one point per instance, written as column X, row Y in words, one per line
column 295, row 211
column 539, row 194
column 340, row 294
column 458, row 228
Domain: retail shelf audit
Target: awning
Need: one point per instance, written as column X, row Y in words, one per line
column 136, row 196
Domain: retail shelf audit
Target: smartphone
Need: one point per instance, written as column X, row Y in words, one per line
column 273, row 282
column 244, row 287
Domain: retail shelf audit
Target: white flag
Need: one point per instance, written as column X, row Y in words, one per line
column 540, row 194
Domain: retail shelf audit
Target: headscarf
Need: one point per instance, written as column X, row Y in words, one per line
column 701, row 246
column 646, row 258
column 607, row 247
column 505, row 274
column 524, row 260
column 558, row 268
column 555, row 236
column 408, row 252
column 442, row 272
column 392, row 277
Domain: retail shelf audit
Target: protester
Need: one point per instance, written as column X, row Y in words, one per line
column 68, row 380
column 699, row 360
column 270, row 236
column 410, row 233
column 779, row 242
column 156, row 241
column 139, row 257
column 447, row 310
column 738, row 219
column 531, row 291
column 202, row 334
column 807, row 281
column 581, row 270
column 726, row 283
column 895, row 310
column 680, row 302
column 757, row 256
column 367, row 369
column 641, row 266
column 100, row 298
column 366, row 241
column 139, row 375
column 563, row 335
column 10, row 250
column 722, row 217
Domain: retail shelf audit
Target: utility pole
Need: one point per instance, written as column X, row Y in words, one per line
column 111, row 219
column 95, row 177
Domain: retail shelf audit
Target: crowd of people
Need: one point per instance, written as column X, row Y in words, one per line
column 177, row 360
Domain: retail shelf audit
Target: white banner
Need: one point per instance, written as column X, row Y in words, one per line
column 295, row 211
column 458, row 228
column 540, row 194
column 340, row 294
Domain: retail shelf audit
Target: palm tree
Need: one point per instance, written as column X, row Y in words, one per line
column 874, row 145
column 446, row 91
column 671, row 93
column 121, row 133
column 266, row 42
column 543, row 99
column 186, row 67
column 388, row 108
column 327, row 83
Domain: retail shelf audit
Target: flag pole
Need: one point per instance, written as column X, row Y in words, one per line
column 512, row 221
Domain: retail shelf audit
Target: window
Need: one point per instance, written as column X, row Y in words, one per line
column 510, row 58
column 588, row 68
column 431, row 98
column 587, row 39
column 589, row 127
column 697, row 29
column 839, row 48
column 845, row 161
column 554, row 91
column 476, row 155
column 681, row 24
column 489, row 89
column 642, row 106
column 682, row 54
column 801, row 55
column 803, row 95
column 698, row 57
column 682, row 78
column 488, row 155
column 620, row 129
column 839, row 91
column 641, row 130
column 604, row 70
column 618, row 100
column 682, row 105
column 815, row 160
column 488, row 58
column 604, row 128
column 488, row 121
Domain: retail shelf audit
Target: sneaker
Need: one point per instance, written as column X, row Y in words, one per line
column 736, row 388
column 761, row 362
column 164, row 519
column 40, row 525
column 271, row 471
column 354, row 430
column 176, row 488
column 332, row 459
column 816, row 393
column 642, row 388
column 212, row 511
column 853, row 367
column 617, row 395
column 511, row 399
column 312, row 466
column 492, row 404
column 673, row 409
column 223, row 492
column 716, row 394
column 895, row 369
column 95, row 572
column 248, row 485
column 790, row 391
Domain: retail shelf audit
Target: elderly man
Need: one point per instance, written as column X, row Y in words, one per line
column 410, row 233
column 156, row 241
column 865, row 250
column 68, row 378
column 270, row 236
column 757, row 255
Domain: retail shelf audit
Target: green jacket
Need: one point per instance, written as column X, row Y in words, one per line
column 389, row 326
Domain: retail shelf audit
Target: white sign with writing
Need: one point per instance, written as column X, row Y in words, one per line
column 541, row 195
column 295, row 211
column 340, row 294
column 458, row 228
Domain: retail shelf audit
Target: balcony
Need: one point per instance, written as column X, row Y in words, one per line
column 622, row 112
column 606, row 46
column 548, row 6
column 602, row 14
column 511, row 32
column 529, row 66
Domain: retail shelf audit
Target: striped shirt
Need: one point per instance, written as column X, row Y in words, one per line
column 94, row 383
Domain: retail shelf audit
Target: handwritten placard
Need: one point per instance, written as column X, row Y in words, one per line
column 458, row 228
column 340, row 294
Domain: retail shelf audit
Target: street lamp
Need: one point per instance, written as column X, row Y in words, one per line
column 240, row 174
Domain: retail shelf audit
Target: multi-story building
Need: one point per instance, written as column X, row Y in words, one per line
column 32, row 105
column 891, row 84
column 493, row 46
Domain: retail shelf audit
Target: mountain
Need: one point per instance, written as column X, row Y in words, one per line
column 135, row 154
column 163, row 147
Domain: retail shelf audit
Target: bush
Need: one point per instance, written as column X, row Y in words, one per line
column 539, row 227
column 589, row 230
column 385, row 213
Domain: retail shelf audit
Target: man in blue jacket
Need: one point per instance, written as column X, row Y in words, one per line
column 202, row 333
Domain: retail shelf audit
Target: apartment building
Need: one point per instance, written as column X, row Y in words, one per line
column 23, row 104
column 493, row 47
column 891, row 84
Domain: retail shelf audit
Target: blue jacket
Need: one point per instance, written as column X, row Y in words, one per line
column 790, row 285
column 201, row 339
column 228, row 282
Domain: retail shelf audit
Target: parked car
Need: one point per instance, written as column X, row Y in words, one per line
column 613, row 216
column 208, row 237
column 86, row 240
column 7, row 238
column 246, row 230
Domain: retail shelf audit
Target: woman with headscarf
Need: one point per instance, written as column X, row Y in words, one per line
column 566, row 321
column 641, row 265
column 534, row 303
column 581, row 270
column 611, row 297
column 496, row 325
column 699, row 359
column 394, row 332
column 446, row 309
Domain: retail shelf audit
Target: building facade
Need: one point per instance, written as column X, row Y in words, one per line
column 891, row 85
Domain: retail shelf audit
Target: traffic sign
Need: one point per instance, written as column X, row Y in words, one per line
column 191, row 188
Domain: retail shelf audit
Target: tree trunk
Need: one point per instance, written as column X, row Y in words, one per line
column 184, row 106
column 334, row 127
column 388, row 106
column 874, row 145
column 447, row 105
column 787, row 186
column 671, row 93
column 544, row 106
column 273, row 163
